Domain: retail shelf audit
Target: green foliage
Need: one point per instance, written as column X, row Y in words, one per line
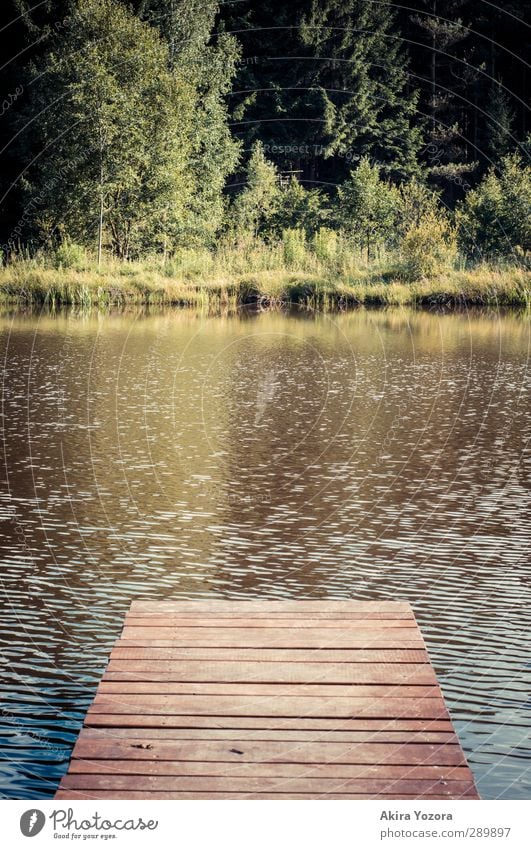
column 416, row 201
column 501, row 117
column 429, row 247
column 70, row 255
column 325, row 244
column 257, row 203
column 368, row 207
column 494, row 220
column 297, row 207
column 345, row 87
column 115, row 133
column 123, row 117
column 209, row 63
column 294, row 246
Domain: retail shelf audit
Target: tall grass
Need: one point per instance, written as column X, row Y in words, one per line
column 325, row 273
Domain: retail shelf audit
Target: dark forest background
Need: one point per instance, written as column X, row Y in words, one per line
column 141, row 126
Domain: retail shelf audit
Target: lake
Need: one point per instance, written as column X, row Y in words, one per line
column 366, row 455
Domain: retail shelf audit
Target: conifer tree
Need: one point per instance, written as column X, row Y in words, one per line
column 322, row 79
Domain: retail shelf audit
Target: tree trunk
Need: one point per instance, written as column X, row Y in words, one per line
column 100, row 222
column 100, row 230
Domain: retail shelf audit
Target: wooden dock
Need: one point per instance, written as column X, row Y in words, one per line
column 268, row 700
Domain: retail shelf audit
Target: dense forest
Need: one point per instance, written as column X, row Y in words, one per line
column 134, row 129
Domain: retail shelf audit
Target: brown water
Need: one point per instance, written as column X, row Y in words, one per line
column 366, row 455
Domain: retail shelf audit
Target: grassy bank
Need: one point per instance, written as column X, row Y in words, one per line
column 227, row 279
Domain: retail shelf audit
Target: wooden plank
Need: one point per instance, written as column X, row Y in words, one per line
column 258, row 622
column 294, row 614
column 125, row 650
column 270, row 752
column 146, row 735
column 269, row 706
column 281, row 637
column 111, row 720
column 283, row 673
column 261, row 607
column 182, row 796
column 275, row 770
column 263, row 784
column 250, row 688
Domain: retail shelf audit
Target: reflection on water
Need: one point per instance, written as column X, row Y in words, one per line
column 366, row 455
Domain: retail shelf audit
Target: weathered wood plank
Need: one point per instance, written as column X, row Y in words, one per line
column 263, row 784
column 294, row 614
column 146, row 735
column 270, row 706
column 281, row 637
column 356, row 691
column 129, row 650
column 281, row 673
column 116, row 795
column 261, row 607
column 275, row 770
column 111, row 720
column 274, row 752
column 259, row 622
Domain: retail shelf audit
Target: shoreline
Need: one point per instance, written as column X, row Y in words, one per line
column 134, row 284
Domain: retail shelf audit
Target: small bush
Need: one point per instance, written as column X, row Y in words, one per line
column 428, row 247
column 325, row 244
column 70, row 255
column 190, row 263
column 494, row 220
column 294, row 245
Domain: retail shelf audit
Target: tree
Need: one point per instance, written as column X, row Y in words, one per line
column 469, row 61
column 494, row 220
column 416, row 200
column 321, row 79
column 362, row 74
column 257, row 202
column 500, row 117
column 115, row 133
column 209, row 60
column 429, row 246
column 368, row 206
column 301, row 208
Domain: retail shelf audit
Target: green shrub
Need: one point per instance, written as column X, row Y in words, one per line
column 297, row 208
column 416, row 200
column 494, row 220
column 428, row 247
column 70, row 255
column 294, row 245
column 368, row 208
column 254, row 206
column 325, row 244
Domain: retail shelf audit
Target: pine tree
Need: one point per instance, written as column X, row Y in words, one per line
column 329, row 79
column 469, row 61
column 362, row 74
